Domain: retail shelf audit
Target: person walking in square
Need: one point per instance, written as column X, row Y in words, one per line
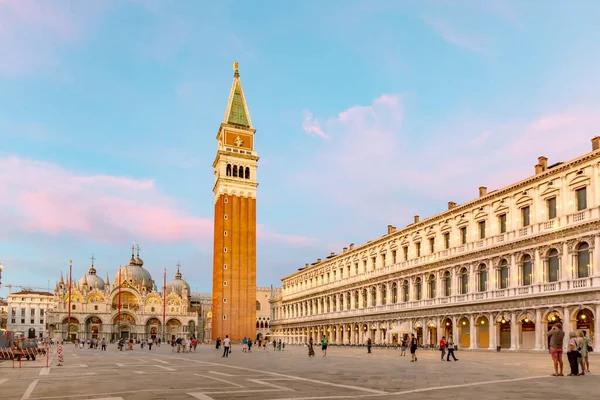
column 557, row 336
column 450, row 348
column 403, row 347
column 586, row 344
column 413, row 347
column 324, row 345
column 369, row 343
column 573, row 354
column 226, row 345
column 443, row 347
column 311, row 351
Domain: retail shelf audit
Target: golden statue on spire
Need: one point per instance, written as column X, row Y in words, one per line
column 235, row 66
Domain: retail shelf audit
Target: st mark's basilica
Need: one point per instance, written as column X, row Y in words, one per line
column 144, row 310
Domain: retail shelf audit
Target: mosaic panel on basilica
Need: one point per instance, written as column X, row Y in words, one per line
column 130, row 307
column 496, row 272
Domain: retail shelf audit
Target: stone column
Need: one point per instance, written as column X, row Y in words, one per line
column 472, row 332
column 514, row 332
column 493, row 327
column 596, row 338
column 539, row 330
column 596, row 256
column 565, row 263
column 513, row 273
column 567, row 327
column 537, row 268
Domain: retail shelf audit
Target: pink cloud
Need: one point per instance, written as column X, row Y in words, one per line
column 309, row 125
column 450, row 35
column 41, row 197
column 376, row 169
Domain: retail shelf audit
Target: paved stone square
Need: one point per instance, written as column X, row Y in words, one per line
column 291, row 374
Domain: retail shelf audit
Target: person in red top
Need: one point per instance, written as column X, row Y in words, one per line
column 443, row 346
column 194, row 343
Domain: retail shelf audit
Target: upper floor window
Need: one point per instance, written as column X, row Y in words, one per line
column 581, row 198
column 355, row 300
column 405, row 250
column 553, row 265
column 374, row 262
column 374, row 296
column 464, row 281
column 394, row 256
column 383, row 295
column 447, row 284
column 551, row 206
column 525, row 211
column 356, row 268
column 364, row 265
column 463, row 235
column 526, row 270
column 503, row 272
column 418, row 247
column 405, row 292
column 394, row 293
column 447, row 240
column 365, row 298
column 257, row 305
column 431, row 245
column 383, row 260
column 418, row 289
column 482, row 277
column 502, row 222
column 432, row 286
column 583, row 260
column 481, row 225
column 347, row 301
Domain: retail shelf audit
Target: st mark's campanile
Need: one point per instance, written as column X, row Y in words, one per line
column 234, row 260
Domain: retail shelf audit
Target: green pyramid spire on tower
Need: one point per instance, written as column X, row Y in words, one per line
column 237, row 111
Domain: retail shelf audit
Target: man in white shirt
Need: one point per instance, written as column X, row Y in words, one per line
column 226, row 344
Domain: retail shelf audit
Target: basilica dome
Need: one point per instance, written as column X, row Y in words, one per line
column 178, row 284
column 135, row 274
column 92, row 280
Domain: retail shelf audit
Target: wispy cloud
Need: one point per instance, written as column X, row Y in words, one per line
column 32, row 33
column 452, row 36
column 41, row 197
column 377, row 170
column 309, row 125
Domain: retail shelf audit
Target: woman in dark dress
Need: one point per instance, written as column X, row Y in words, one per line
column 311, row 351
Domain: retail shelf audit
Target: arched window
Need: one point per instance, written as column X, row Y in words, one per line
column 257, row 325
column 553, row 265
column 383, row 294
column 482, row 277
column 356, row 299
column 405, row 292
column 526, row 270
column 432, row 288
column 365, row 298
column 419, row 289
column 235, row 170
column 447, row 284
column 228, row 171
column 267, row 325
column 394, row 293
column 247, row 173
column 373, row 296
column 583, row 260
column 257, row 305
column 503, row 272
column 241, row 171
column 348, row 297
column 464, row 281
column 335, row 303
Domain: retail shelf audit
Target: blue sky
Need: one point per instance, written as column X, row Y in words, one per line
column 367, row 113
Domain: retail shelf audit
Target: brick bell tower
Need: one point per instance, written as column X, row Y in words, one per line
column 234, row 259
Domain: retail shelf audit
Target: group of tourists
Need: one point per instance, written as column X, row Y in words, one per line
column 184, row 345
column 577, row 351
